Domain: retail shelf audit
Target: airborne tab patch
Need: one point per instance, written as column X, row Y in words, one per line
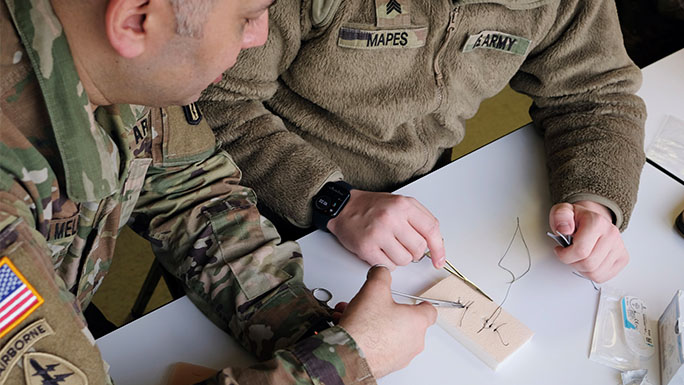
column 386, row 38
column 498, row 41
column 20, row 344
column 18, row 299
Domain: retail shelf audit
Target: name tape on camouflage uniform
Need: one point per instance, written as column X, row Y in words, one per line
column 388, row 38
column 43, row 368
column 60, row 228
column 393, row 13
column 20, row 344
column 18, row 299
column 498, row 41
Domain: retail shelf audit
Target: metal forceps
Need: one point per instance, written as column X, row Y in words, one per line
column 454, row 271
column 434, row 302
column 323, row 296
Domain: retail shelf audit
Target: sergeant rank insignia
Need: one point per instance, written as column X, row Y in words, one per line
column 393, row 5
column 18, row 299
column 393, row 13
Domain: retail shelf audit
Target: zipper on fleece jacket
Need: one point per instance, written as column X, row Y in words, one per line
column 451, row 27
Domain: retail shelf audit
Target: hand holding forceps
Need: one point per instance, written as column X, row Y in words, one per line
column 324, row 296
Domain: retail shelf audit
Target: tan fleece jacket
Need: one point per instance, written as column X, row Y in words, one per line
column 358, row 90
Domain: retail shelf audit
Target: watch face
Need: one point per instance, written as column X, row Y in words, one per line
column 323, row 203
column 330, row 200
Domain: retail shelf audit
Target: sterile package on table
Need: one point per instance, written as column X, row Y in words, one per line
column 671, row 332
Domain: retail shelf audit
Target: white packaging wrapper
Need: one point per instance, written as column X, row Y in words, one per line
column 635, row 377
column 667, row 148
column 623, row 336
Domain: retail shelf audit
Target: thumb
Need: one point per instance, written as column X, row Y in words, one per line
column 428, row 311
column 380, row 274
column 562, row 218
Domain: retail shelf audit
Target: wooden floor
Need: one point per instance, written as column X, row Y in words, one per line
column 133, row 255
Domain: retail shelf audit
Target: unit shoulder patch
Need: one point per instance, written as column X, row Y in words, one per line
column 21, row 343
column 498, row 41
column 356, row 38
column 43, row 368
column 18, row 299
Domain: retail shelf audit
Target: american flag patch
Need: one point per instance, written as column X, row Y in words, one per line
column 18, row 298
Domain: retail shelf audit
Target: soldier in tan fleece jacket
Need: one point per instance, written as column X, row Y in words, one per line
column 373, row 92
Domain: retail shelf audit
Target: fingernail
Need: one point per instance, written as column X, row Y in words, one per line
column 564, row 228
column 374, row 266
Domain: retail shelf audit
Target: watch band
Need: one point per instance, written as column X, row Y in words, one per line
column 330, row 191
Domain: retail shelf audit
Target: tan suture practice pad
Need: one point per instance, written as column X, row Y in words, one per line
column 492, row 344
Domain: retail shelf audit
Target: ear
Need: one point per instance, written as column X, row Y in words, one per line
column 125, row 26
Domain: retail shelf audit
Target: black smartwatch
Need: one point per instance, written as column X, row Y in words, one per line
column 328, row 203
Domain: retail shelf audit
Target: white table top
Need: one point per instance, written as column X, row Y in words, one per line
column 477, row 200
column 662, row 90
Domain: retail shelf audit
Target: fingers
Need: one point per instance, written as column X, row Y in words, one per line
column 584, row 242
column 338, row 311
column 597, row 250
column 378, row 257
column 387, row 228
column 414, row 244
column 562, row 218
column 341, row 306
column 399, row 254
column 428, row 227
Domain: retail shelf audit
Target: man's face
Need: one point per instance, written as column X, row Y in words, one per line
column 194, row 63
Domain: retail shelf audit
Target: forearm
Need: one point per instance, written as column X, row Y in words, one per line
column 583, row 86
column 206, row 230
column 330, row 357
column 283, row 169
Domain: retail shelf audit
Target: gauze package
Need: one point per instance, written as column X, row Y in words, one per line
column 671, row 332
column 623, row 335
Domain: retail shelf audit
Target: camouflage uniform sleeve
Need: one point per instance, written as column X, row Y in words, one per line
column 285, row 170
column 46, row 327
column 583, row 85
column 330, row 357
column 205, row 229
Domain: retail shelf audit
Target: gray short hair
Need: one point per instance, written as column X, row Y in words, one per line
column 191, row 16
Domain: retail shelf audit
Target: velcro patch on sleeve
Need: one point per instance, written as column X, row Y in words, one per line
column 498, row 41
column 43, row 368
column 18, row 299
column 20, row 344
column 386, row 38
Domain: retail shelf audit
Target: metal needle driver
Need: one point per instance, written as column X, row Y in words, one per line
column 434, row 302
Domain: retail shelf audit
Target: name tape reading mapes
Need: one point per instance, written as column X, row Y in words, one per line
column 498, row 41
column 387, row 38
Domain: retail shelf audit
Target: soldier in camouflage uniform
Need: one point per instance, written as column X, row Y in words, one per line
column 75, row 169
